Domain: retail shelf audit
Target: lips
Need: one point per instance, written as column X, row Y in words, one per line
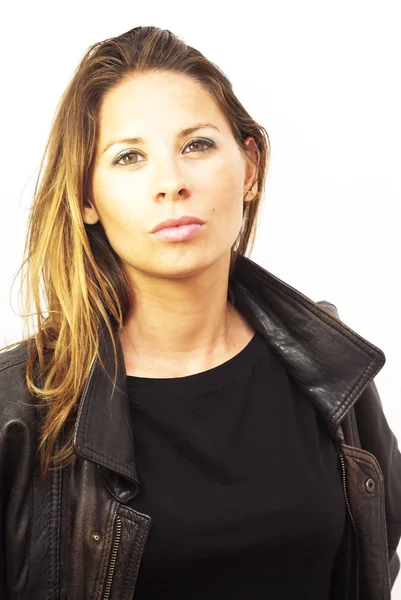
column 185, row 220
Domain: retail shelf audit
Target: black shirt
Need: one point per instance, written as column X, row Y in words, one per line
column 242, row 481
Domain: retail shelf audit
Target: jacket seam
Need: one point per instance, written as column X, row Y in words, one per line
column 29, row 587
column 12, row 364
column 54, row 536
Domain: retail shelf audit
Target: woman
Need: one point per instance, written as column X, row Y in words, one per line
column 182, row 424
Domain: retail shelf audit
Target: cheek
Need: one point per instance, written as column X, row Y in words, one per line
column 227, row 195
column 228, row 176
column 119, row 208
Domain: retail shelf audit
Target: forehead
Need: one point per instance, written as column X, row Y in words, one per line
column 154, row 100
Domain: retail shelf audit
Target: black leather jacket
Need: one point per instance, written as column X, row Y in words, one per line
column 73, row 535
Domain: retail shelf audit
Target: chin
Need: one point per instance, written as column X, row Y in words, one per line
column 190, row 266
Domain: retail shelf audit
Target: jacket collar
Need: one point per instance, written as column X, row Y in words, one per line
column 332, row 364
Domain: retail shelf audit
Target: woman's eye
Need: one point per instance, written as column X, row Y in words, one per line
column 125, row 155
column 199, row 143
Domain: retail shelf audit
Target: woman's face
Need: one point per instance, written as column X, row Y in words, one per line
column 167, row 174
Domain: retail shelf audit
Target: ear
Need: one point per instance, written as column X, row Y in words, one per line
column 90, row 215
column 251, row 169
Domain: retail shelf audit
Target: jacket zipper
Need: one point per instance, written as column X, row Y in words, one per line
column 113, row 559
column 353, row 525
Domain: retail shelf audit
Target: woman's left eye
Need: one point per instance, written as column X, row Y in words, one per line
column 201, row 142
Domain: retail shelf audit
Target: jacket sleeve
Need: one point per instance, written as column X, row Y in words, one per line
column 2, row 519
column 16, row 455
column 15, row 470
column 377, row 438
column 7, row 448
column 10, row 456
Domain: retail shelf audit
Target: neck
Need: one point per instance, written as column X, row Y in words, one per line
column 185, row 324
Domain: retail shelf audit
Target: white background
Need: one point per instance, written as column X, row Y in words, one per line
column 323, row 78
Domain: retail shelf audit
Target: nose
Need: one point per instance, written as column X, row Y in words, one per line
column 171, row 183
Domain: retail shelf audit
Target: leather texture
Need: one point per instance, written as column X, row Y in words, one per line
column 72, row 535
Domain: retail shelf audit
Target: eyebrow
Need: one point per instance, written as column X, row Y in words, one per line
column 138, row 140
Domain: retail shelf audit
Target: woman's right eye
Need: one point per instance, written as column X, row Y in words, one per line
column 124, row 155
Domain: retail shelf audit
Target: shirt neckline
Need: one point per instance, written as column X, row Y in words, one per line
column 219, row 375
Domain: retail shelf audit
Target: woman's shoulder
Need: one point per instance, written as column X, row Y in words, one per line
column 11, row 356
column 19, row 426
column 12, row 366
column 16, row 402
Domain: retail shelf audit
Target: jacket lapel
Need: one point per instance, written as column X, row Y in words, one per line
column 332, row 363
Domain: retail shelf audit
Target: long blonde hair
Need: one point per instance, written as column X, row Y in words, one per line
column 84, row 285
